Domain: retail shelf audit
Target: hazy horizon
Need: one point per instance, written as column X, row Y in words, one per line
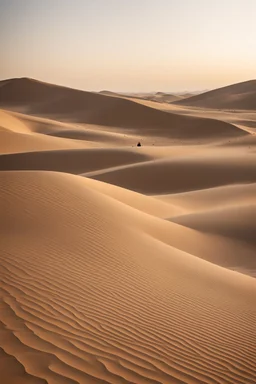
column 135, row 46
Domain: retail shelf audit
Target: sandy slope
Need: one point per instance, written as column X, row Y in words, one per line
column 20, row 133
column 138, row 268
column 92, row 306
column 235, row 222
column 244, row 119
column 72, row 161
column 224, row 196
column 181, row 174
column 236, row 96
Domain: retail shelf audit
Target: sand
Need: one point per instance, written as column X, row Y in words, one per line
column 118, row 263
column 237, row 96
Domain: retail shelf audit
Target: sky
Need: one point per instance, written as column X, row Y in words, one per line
column 129, row 45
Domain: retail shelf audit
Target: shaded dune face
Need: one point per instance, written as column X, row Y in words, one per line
column 72, row 161
column 236, row 96
column 235, row 222
column 179, row 175
column 118, row 263
column 91, row 307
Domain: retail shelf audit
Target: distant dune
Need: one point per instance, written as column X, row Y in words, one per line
column 110, row 93
column 39, row 98
column 186, row 95
column 236, row 96
column 161, row 97
column 164, row 97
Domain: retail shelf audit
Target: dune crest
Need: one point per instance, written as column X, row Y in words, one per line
column 235, row 96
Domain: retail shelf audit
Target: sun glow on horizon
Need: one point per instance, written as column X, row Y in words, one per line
column 140, row 45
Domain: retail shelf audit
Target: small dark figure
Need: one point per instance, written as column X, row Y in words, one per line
column 139, row 144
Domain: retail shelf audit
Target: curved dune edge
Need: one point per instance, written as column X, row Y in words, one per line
column 12, row 123
column 83, row 134
column 225, row 246
column 181, row 174
column 21, row 133
column 238, row 96
column 237, row 222
column 212, row 198
column 20, row 143
column 74, row 161
column 146, row 204
column 83, row 304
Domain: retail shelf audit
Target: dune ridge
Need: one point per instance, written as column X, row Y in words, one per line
column 74, row 161
column 235, row 96
column 212, row 198
column 21, row 133
column 235, row 222
column 180, row 174
column 160, row 97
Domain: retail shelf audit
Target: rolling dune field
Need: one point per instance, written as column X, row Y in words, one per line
column 122, row 263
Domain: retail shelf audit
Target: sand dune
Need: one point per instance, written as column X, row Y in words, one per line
column 216, row 249
column 21, row 133
column 24, row 133
column 182, row 174
column 160, row 97
column 219, row 197
column 17, row 142
column 235, row 222
column 236, row 96
column 243, row 119
column 71, row 161
column 110, row 93
column 118, row 263
column 147, row 204
column 155, row 318
column 10, row 122
column 187, row 94
column 91, row 108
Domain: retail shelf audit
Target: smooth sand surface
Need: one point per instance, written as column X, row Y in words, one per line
column 118, row 263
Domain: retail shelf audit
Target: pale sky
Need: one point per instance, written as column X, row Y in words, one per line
column 129, row 45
